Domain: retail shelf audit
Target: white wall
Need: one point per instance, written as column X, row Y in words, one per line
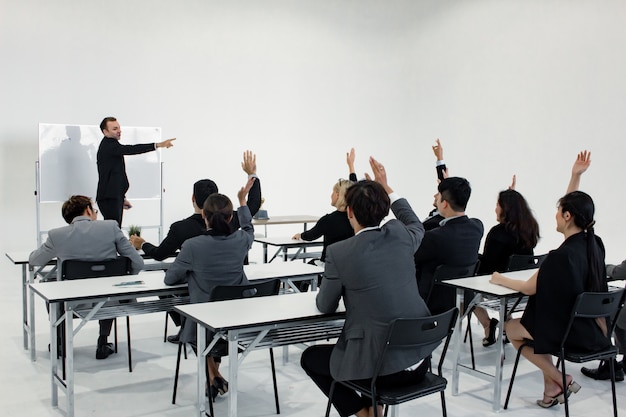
column 508, row 86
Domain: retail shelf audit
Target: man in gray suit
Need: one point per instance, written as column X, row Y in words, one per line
column 374, row 271
column 88, row 240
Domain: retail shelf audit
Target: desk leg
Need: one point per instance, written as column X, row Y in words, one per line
column 31, row 312
column 69, row 360
column 233, row 365
column 497, row 386
column 458, row 335
column 54, row 369
column 201, row 346
column 25, row 282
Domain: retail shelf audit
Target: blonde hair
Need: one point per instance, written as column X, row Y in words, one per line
column 340, row 188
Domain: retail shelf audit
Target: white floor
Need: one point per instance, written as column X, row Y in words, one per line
column 106, row 388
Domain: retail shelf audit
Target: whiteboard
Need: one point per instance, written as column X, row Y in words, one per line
column 67, row 162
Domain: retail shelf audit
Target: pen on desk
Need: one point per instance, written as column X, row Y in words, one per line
column 129, row 283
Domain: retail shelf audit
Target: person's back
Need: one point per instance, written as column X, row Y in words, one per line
column 456, row 243
column 87, row 239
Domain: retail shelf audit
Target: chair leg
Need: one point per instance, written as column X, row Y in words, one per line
column 115, row 333
column 564, row 374
column 165, row 332
column 471, row 343
column 130, row 356
column 180, row 348
column 274, row 380
column 612, row 368
column 330, row 398
column 444, row 412
column 508, row 393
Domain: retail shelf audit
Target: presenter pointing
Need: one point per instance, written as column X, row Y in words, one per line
column 112, row 179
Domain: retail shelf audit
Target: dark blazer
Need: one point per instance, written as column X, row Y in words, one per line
column 561, row 278
column 500, row 244
column 112, row 179
column 194, row 226
column 375, row 274
column 207, row 261
column 455, row 243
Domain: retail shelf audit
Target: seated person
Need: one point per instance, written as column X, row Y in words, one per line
column 333, row 226
column 194, row 225
column 614, row 272
column 374, row 273
column 454, row 243
column 212, row 259
column 87, row 239
column 574, row 267
column 516, row 233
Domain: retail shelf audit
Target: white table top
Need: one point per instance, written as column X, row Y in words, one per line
column 82, row 289
column 288, row 241
column 256, row 311
column 18, row 257
column 481, row 283
column 298, row 218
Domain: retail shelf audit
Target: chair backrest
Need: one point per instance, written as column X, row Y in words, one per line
column 77, row 269
column 257, row 288
column 523, row 262
column 450, row 271
column 594, row 305
column 424, row 332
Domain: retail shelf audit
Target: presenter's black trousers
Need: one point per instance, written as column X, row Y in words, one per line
column 112, row 209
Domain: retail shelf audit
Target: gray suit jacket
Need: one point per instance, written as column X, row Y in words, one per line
column 207, row 261
column 374, row 271
column 86, row 240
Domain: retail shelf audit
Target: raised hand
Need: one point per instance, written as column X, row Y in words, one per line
column 243, row 192
column 380, row 176
column 350, row 156
column 438, row 150
column 583, row 161
column 249, row 163
column 513, row 181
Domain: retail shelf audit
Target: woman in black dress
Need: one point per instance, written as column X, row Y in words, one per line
column 574, row 267
column 516, row 233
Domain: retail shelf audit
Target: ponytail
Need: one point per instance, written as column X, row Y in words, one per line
column 218, row 211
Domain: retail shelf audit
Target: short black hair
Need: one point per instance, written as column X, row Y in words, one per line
column 369, row 202
column 103, row 123
column 202, row 189
column 456, row 191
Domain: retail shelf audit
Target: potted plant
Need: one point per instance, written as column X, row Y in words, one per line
column 134, row 230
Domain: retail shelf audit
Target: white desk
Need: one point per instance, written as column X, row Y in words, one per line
column 29, row 274
column 284, row 243
column 295, row 219
column 256, row 323
column 482, row 286
column 74, row 293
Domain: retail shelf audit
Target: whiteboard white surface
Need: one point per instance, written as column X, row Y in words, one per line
column 68, row 166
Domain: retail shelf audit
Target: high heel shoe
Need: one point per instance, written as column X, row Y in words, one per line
column 212, row 391
column 573, row 387
column 491, row 338
column 220, row 384
column 552, row 401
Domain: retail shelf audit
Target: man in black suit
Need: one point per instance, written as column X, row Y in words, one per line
column 194, row 225
column 455, row 242
column 112, row 179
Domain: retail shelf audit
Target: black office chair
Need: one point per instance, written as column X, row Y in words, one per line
column 78, row 269
column 406, row 334
column 588, row 305
column 444, row 272
column 257, row 288
column 523, row 262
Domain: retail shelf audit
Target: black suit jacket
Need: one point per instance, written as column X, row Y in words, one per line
column 112, row 179
column 194, row 226
column 455, row 243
